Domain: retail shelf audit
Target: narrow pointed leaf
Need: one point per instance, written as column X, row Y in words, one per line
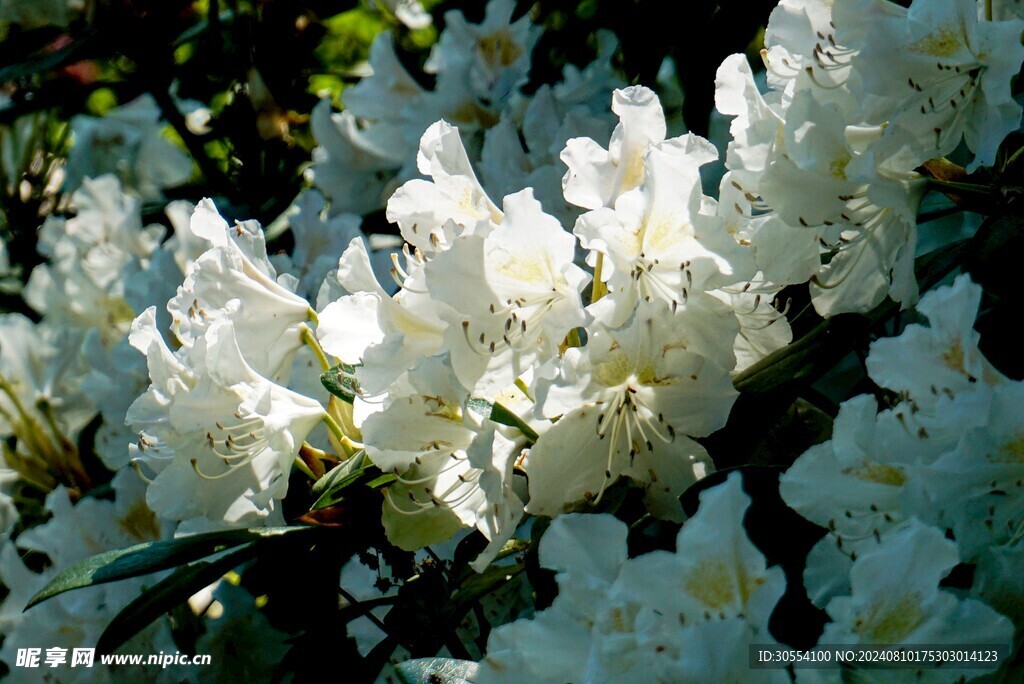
column 150, row 557
column 369, row 476
column 501, row 414
column 166, row 595
column 338, row 473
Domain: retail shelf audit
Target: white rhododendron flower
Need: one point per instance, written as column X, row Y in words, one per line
column 978, row 487
column 597, row 177
column 941, row 359
column 385, row 335
column 895, row 599
column 478, row 64
column 91, row 258
column 523, row 149
column 763, row 327
column 320, row 240
column 432, row 213
column 349, row 167
column 997, row 580
column 656, row 243
column 857, row 484
column 938, row 70
column 40, row 383
column 8, row 509
column 628, row 403
column 817, row 179
column 235, row 280
column 218, row 438
column 114, row 380
column 528, row 297
column 686, row 616
column 448, row 415
column 368, row 150
column 453, row 466
column 76, row 620
column 129, row 143
column 944, row 455
column 800, row 44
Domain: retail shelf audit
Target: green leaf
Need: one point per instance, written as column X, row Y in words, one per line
column 479, row 584
column 382, row 480
column 167, row 594
column 150, row 557
column 500, row 414
column 512, row 547
column 333, row 486
column 334, row 491
column 437, row 671
column 338, row 472
column 193, row 32
column 340, row 381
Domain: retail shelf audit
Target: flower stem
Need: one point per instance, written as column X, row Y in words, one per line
column 350, row 447
column 310, row 340
column 71, row 463
column 33, row 433
column 305, row 469
column 1014, row 158
column 314, row 459
column 926, row 216
column 598, row 289
column 333, row 426
column 961, row 188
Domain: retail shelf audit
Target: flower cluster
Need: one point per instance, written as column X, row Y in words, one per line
column 889, row 487
column 669, row 617
column 665, row 286
column 74, row 533
column 944, row 457
column 541, row 357
column 57, row 378
column 861, row 94
column 369, row 149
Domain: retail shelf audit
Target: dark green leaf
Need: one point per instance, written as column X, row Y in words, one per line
column 334, row 491
column 202, row 27
column 150, row 557
column 1010, row 154
column 500, row 414
column 437, row 671
column 337, row 473
column 381, row 481
column 341, row 382
column 480, row 584
column 166, row 595
column 512, row 547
